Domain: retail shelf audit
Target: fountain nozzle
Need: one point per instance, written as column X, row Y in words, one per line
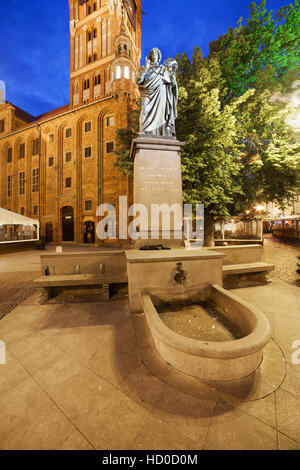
column 180, row 277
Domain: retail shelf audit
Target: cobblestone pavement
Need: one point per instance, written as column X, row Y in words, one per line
column 10, row 304
column 283, row 256
column 17, row 271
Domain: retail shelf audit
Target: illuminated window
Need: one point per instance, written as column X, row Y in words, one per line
column 118, row 72
column 110, row 121
column 126, row 72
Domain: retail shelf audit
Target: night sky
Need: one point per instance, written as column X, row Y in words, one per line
column 34, row 39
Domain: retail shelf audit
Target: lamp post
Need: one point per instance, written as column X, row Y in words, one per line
column 260, row 208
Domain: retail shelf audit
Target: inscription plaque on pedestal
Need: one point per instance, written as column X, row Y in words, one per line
column 157, row 181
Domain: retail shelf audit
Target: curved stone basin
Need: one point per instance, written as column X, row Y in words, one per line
column 213, row 360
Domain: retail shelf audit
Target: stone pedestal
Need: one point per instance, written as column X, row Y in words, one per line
column 157, row 180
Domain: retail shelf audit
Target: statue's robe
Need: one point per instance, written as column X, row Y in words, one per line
column 160, row 95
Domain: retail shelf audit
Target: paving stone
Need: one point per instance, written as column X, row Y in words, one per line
column 232, row 429
column 288, row 414
column 30, row 420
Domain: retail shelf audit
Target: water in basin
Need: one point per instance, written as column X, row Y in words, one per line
column 204, row 321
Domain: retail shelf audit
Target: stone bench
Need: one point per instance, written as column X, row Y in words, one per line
column 246, row 274
column 243, row 266
column 50, row 285
column 98, row 269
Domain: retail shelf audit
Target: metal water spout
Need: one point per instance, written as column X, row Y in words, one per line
column 102, row 268
column 77, row 269
column 180, row 276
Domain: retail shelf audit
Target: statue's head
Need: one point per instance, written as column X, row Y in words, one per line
column 155, row 55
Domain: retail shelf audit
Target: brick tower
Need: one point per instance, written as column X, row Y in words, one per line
column 105, row 38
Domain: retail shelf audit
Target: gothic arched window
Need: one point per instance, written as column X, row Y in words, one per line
column 97, row 79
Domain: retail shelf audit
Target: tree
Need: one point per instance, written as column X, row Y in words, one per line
column 239, row 148
column 211, row 161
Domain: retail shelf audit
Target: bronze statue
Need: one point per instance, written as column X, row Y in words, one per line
column 159, row 91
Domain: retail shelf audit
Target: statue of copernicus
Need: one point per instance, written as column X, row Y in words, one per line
column 159, row 91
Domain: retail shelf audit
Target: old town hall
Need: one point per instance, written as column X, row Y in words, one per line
column 60, row 166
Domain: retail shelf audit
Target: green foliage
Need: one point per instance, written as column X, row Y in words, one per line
column 267, row 46
column 124, row 138
column 239, row 148
column 211, row 156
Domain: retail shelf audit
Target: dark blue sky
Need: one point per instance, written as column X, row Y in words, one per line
column 34, row 41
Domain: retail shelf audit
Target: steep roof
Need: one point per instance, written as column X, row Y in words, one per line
column 54, row 112
column 29, row 120
column 20, row 113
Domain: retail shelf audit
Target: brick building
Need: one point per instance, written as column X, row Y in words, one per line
column 60, row 166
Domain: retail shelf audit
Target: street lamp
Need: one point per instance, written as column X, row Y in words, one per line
column 294, row 122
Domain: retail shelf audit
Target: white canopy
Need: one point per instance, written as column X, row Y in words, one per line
column 11, row 218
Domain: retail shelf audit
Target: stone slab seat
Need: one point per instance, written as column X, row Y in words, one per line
column 246, row 274
column 78, row 280
column 247, row 268
column 48, row 284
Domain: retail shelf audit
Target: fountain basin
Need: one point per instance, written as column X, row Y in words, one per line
column 213, row 360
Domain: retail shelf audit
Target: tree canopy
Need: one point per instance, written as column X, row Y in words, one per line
column 232, row 115
column 263, row 52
